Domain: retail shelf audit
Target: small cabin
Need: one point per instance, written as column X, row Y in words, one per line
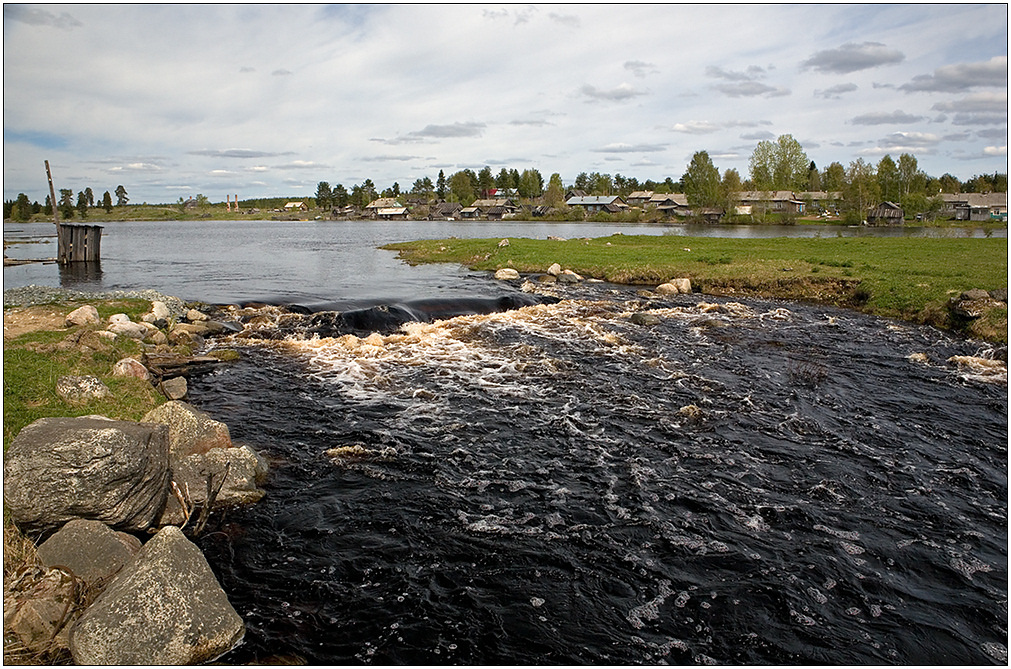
column 886, row 213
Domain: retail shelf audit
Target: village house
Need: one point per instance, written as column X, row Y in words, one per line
column 670, row 204
column 976, row 206
column 776, row 201
column 492, row 209
column 296, row 206
column 639, row 198
column 886, row 213
column 372, row 210
column 445, row 211
column 597, row 203
column 819, row 200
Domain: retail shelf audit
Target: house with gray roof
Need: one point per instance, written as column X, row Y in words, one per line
column 596, row 203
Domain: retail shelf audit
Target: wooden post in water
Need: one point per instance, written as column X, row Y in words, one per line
column 52, row 196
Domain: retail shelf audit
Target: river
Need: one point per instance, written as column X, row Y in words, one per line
column 744, row 482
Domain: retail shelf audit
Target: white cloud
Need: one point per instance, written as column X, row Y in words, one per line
column 853, row 57
column 995, row 151
column 962, row 77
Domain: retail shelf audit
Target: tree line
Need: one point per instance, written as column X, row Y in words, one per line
column 22, row 209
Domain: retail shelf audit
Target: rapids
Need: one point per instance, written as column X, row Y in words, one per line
column 745, row 482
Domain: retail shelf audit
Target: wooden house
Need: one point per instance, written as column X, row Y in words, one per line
column 372, row 209
column 445, row 211
column 597, row 203
column 980, row 207
column 392, row 213
column 296, row 206
column 671, row 204
column 639, row 198
column 776, row 201
column 886, row 213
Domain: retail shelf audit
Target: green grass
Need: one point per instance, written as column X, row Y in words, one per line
column 32, row 366
column 907, row 278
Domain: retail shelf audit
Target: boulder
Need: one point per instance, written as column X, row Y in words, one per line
column 90, row 549
column 555, row 269
column 158, row 338
column 131, row 367
column 79, row 390
column 568, row 276
column 239, row 469
column 174, row 388
column 181, row 335
column 667, row 289
column 507, row 274
column 160, row 311
column 119, row 319
column 190, row 431
column 59, row 469
column 194, row 316
column 644, row 318
column 165, row 607
column 122, row 325
column 86, row 315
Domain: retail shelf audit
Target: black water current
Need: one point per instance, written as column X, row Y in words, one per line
column 742, row 482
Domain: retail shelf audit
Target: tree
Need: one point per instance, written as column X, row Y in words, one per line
column 911, row 179
column 440, row 186
column 701, row 182
column 107, row 202
column 66, row 203
column 555, row 194
column 582, row 182
column 834, row 177
column 22, row 209
column 862, row 191
column 779, row 165
column 340, row 195
column 461, row 186
column 485, row 181
column 813, row 177
column 82, row 204
column 730, row 186
column 90, row 196
column 503, row 179
column 950, row 184
column 324, row 195
column 121, row 198
column 888, row 179
column 48, row 208
column 531, row 184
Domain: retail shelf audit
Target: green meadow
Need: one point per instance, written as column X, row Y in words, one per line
column 904, row 278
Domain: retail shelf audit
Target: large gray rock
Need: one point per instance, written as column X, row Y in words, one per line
column 238, row 467
column 190, row 431
column 165, row 607
column 90, row 549
column 79, row 390
column 86, row 315
column 59, row 469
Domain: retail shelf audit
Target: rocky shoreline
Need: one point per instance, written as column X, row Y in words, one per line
column 117, row 578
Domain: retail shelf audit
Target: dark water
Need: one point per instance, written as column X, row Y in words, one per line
column 757, row 483
column 747, row 483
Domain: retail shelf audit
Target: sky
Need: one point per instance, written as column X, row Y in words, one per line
column 258, row 100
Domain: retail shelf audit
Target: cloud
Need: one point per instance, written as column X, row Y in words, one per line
column 961, row 77
column 247, row 69
column 697, row 127
column 884, row 118
column 759, row 136
column 751, row 89
column 40, row 17
column 753, row 72
column 978, row 102
column 281, row 73
column 995, row 151
column 619, row 94
column 992, row 133
column 853, row 57
column 640, row 68
column 302, row 165
column 235, row 153
column 834, row 92
column 630, row 148
column 469, row 129
column 136, row 167
column 536, row 123
column 996, row 118
column 388, row 158
column 569, row 20
column 909, row 140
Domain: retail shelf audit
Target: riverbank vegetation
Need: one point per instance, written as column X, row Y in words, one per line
column 37, row 352
column 905, row 278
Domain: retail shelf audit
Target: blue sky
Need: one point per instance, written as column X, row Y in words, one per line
column 268, row 100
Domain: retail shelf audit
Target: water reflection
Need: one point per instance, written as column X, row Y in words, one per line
column 79, row 275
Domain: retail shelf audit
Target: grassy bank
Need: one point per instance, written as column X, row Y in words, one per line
column 34, row 360
column 906, row 278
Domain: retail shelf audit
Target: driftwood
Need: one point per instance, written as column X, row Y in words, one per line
column 169, row 365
